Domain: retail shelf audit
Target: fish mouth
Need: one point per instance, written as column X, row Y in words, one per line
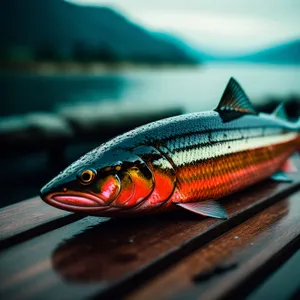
column 75, row 202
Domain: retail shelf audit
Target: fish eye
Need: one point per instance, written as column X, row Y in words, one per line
column 87, row 176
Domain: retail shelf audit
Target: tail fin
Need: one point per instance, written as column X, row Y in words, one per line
column 280, row 112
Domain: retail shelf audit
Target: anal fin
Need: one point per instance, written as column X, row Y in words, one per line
column 208, row 208
column 281, row 177
column 289, row 166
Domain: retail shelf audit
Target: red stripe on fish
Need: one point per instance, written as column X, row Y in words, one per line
column 220, row 176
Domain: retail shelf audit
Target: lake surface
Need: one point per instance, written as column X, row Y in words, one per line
column 194, row 88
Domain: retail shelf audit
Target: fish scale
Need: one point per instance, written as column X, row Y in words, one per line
column 217, row 177
column 187, row 162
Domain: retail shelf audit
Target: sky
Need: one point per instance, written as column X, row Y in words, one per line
column 231, row 26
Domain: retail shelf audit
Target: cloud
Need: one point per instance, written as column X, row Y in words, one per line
column 223, row 31
column 232, row 25
column 228, row 25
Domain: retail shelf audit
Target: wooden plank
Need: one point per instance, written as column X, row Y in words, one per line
column 229, row 266
column 26, row 215
column 38, row 131
column 288, row 276
column 29, row 270
column 29, row 218
column 90, row 256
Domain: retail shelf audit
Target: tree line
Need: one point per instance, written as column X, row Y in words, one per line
column 81, row 53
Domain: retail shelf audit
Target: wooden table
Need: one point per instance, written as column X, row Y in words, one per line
column 46, row 253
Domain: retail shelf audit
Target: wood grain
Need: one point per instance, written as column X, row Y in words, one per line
column 270, row 288
column 230, row 263
column 29, row 218
column 116, row 256
column 109, row 258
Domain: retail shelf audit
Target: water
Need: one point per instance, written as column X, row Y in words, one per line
column 194, row 88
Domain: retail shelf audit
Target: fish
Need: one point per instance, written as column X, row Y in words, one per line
column 189, row 162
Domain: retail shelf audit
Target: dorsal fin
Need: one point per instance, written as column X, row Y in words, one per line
column 234, row 102
column 280, row 113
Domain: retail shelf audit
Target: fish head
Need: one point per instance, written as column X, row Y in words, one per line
column 97, row 184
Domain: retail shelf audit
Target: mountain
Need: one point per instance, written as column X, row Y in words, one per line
column 189, row 48
column 66, row 27
column 287, row 53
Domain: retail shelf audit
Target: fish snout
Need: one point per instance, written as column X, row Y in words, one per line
column 75, row 201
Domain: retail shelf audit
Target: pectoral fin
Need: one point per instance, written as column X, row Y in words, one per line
column 208, row 208
column 281, row 177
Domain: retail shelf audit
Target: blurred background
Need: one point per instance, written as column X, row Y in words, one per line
column 76, row 73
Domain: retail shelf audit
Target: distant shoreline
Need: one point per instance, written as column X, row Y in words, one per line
column 85, row 68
